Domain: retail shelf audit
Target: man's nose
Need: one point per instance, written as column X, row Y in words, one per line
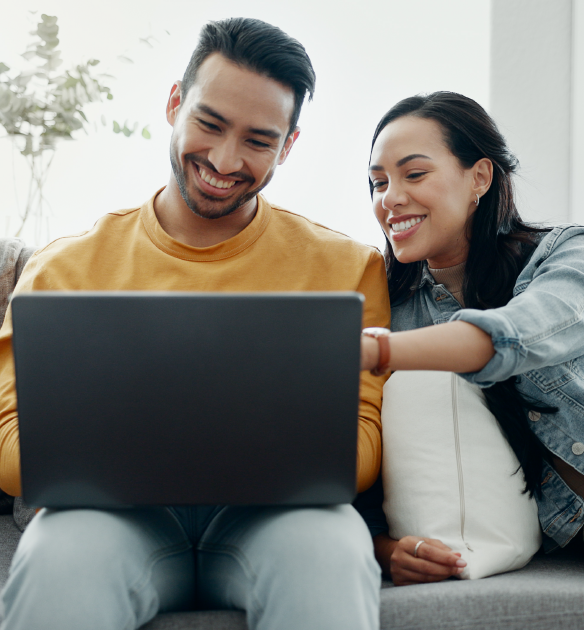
column 226, row 156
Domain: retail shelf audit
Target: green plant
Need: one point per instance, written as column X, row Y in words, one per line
column 42, row 104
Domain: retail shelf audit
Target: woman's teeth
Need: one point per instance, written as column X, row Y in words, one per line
column 406, row 225
column 218, row 183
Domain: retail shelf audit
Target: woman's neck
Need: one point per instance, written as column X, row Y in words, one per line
column 452, row 278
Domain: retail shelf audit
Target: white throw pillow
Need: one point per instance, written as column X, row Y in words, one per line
column 448, row 473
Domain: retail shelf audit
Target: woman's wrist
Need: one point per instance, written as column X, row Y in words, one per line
column 369, row 352
column 384, row 546
column 375, row 356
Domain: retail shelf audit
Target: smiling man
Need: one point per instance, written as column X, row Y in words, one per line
column 234, row 119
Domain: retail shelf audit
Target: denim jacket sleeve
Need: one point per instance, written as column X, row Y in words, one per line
column 543, row 324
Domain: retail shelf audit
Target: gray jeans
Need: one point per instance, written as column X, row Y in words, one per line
column 290, row 569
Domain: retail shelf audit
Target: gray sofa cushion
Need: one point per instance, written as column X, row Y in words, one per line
column 14, row 255
column 202, row 620
column 546, row 595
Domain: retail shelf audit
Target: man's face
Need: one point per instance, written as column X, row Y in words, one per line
column 230, row 133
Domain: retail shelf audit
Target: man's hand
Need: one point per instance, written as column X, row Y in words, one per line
column 433, row 562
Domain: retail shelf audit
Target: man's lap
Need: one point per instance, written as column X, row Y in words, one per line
column 242, row 554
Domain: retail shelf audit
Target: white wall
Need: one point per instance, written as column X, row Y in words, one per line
column 531, row 99
column 577, row 154
column 367, row 55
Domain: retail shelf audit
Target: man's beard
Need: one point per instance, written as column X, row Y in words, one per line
column 210, row 211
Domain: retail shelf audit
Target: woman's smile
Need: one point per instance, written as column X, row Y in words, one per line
column 404, row 227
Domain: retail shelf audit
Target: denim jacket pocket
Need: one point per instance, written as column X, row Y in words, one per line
column 549, row 378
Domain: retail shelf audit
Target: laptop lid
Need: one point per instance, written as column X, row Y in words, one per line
column 135, row 398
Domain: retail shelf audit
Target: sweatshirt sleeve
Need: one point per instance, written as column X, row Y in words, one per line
column 373, row 286
column 9, row 446
column 30, row 280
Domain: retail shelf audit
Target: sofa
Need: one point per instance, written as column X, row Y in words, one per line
column 547, row 594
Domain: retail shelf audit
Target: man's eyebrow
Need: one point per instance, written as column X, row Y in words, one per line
column 269, row 133
column 413, row 156
column 211, row 112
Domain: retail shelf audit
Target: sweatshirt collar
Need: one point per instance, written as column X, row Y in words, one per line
column 220, row 251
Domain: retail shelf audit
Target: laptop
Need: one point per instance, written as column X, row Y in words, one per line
column 137, row 398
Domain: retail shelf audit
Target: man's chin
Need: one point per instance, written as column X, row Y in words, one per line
column 212, row 208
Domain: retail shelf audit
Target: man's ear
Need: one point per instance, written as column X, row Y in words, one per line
column 173, row 104
column 288, row 145
column 482, row 176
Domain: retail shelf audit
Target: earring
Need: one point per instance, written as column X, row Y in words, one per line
column 477, row 200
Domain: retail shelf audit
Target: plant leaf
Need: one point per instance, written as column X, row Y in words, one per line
column 49, row 20
column 117, row 127
column 146, row 133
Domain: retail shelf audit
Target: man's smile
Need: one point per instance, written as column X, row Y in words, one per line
column 219, row 183
column 213, row 183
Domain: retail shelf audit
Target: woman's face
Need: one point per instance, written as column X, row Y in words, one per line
column 422, row 196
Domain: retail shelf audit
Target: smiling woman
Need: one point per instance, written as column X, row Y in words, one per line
column 476, row 291
column 419, row 187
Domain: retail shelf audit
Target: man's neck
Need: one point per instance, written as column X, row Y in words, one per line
column 183, row 225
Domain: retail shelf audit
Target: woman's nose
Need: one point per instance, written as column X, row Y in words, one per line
column 393, row 196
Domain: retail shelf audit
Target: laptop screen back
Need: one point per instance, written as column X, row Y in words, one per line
column 185, row 398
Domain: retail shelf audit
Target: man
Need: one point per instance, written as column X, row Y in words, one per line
column 234, row 120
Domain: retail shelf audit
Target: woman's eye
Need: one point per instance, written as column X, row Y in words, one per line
column 415, row 175
column 378, row 184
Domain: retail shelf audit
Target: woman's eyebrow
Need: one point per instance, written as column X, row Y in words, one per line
column 413, row 156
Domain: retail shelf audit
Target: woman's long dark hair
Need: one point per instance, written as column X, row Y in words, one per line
column 500, row 245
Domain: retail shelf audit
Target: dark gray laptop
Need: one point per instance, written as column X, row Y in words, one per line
column 140, row 398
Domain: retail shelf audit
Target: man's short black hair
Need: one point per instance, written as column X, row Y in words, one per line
column 261, row 48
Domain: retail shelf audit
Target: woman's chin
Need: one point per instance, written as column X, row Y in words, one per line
column 405, row 257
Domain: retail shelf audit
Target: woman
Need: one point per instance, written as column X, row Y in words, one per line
column 508, row 315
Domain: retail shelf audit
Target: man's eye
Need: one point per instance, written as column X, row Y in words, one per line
column 258, row 143
column 208, row 125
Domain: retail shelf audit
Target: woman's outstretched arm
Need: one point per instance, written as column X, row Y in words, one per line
column 452, row 347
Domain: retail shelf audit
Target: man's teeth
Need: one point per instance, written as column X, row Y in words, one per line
column 218, row 183
column 405, row 225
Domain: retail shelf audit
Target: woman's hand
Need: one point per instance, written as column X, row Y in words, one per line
column 433, row 562
column 369, row 352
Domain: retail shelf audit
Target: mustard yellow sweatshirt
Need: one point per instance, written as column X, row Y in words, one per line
column 277, row 251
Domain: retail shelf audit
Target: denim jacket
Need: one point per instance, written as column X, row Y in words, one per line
column 539, row 337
